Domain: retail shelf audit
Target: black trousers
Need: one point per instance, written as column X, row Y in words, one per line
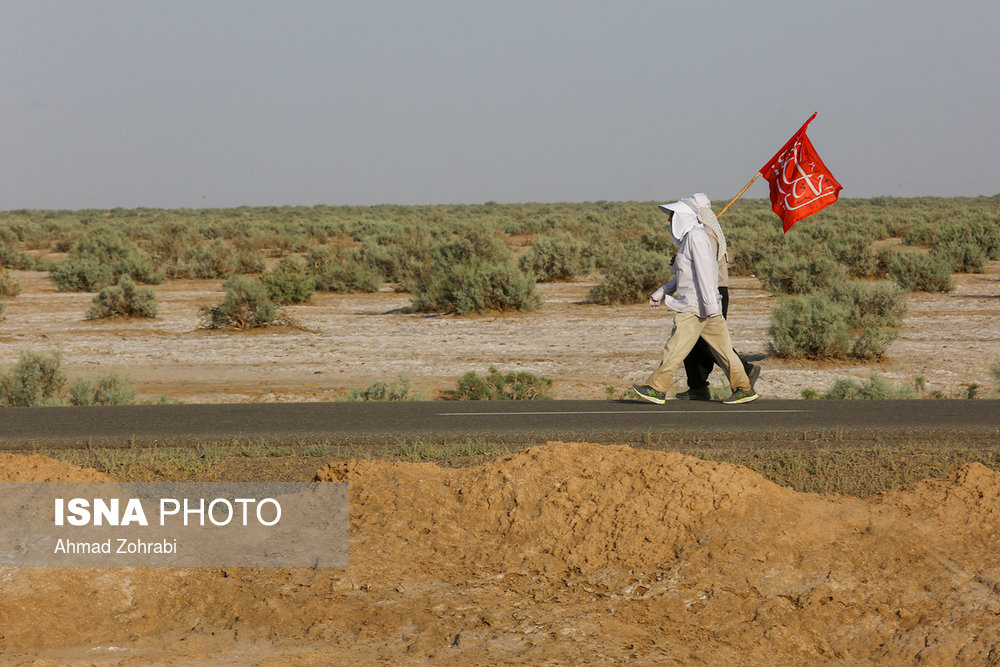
column 700, row 362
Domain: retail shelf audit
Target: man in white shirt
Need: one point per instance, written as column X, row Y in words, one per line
column 694, row 294
column 700, row 361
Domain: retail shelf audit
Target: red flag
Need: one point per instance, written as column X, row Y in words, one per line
column 800, row 182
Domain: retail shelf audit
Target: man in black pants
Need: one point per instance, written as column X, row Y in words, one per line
column 700, row 362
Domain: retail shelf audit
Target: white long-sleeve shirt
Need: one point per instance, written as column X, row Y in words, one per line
column 695, row 287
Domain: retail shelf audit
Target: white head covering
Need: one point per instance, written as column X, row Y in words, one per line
column 684, row 220
column 702, row 206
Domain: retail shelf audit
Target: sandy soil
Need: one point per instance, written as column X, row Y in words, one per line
column 350, row 341
column 569, row 553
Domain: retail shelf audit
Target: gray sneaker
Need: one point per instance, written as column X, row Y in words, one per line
column 741, row 396
column 647, row 393
column 753, row 374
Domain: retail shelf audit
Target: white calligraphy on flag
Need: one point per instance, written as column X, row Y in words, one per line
column 798, row 178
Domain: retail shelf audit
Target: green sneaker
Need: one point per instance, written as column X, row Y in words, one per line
column 647, row 393
column 695, row 395
column 741, row 396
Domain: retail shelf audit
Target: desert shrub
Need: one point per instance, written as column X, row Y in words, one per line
column 124, row 299
column 341, row 272
column 245, row 305
column 854, row 251
column 9, row 286
column 850, row 319
column 3, row 310
column 810, row 325
column 471, row 246
column 110, row 248
column 349, row 277
column 496, row 386
column 171, row 242
column 211, row 260
column 798, row 274
column 401, row 390
column 109, row 389
column 248, row 260
column 289, row 282
column 876, row 387
column 81, row 275
column 632, row 275
column 35, row 379
column 558, row 256
column 995, row 370
column 11, row 253
column 963, row 255
column 980, row 232
column 402, row 256
column 919, row 271
column 876, row 315
column 464, row 288
column 749, row 242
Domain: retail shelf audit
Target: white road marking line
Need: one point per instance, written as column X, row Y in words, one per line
column 605, row 412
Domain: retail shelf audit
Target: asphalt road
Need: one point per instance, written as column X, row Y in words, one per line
column 621, row 422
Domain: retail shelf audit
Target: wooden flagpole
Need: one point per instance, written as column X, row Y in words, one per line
column 745, row 188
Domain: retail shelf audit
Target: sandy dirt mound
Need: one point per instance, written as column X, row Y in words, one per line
column 565, row 554
column 36, row 468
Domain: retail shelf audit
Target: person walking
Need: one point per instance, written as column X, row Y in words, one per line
column 694, row 295
column 698, row 364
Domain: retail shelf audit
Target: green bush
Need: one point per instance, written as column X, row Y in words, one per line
column 876, row 315
column 99, row 258
column 471, row 246
column 212, row 260
column 400, row 390
column 245, row 305
column 557, row 256
column 875, row 387
column 399, row 257
column 632, row 275
column 11, row 254
column 810, row 325
column 750, row 240
column 799, row 274
column 289, row 282
column 345, row 275
column 464, row 288
column 918, row 271
column 124, row 300
column 851, row 319
column 974, row 231
column 109, row 389
column 854, row 250
column 995, row 370
column 9, row 286
column 963, row 255
column 497, row 386
column 36, row 379
column 81, row 275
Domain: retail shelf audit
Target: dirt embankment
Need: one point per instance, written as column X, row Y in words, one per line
column 562, row 554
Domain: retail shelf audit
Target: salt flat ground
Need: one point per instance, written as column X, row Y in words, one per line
column 351, row 341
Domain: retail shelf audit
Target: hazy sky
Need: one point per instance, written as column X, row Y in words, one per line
column 191, row 103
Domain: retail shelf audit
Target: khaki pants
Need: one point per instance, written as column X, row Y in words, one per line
column 687, row 329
